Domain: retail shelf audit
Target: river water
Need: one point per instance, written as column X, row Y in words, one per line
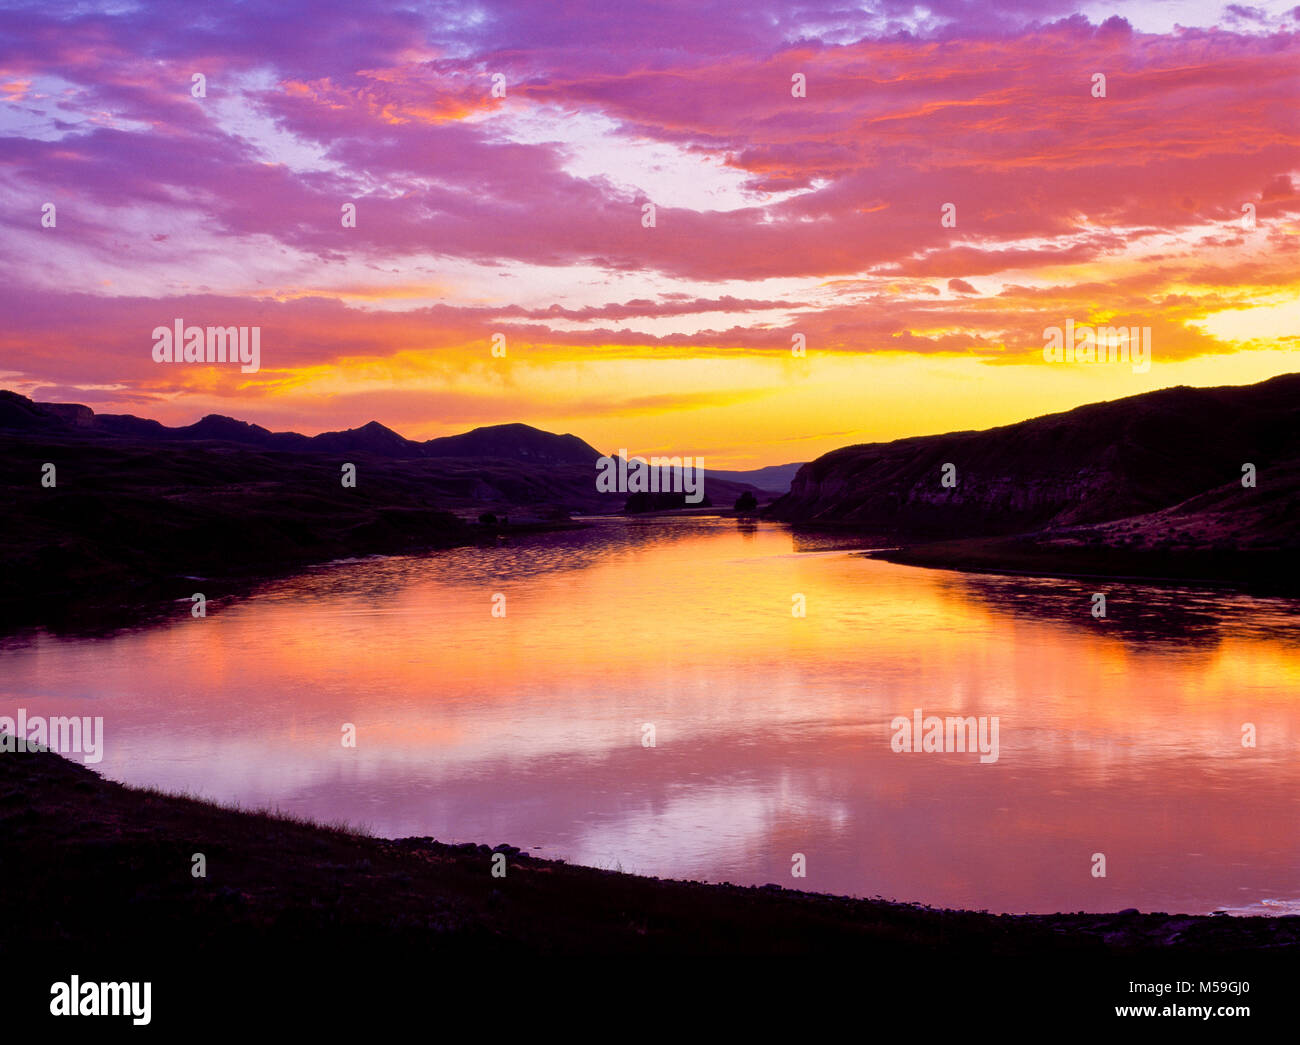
column 771, row 732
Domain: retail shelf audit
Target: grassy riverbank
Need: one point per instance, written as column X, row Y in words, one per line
column 115, row 863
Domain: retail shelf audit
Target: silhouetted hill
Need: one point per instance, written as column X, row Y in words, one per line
column 128, row 426
column 230, row 430
column 1096, row 463
column 507, row 442
column 516, row 442
column 372, row 438
column 774, row 478
column 20, row 414
column 139, row 510
column 1148, row 485
column 515, row 463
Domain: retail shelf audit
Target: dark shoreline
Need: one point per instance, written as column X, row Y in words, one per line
column 117, row 860
column 1256, row 572
column 140, row 602
column 133, row 528
column 301, row 924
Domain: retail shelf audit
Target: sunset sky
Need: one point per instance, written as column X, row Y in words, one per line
column 775, row 215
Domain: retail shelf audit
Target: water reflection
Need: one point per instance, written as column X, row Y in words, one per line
column 1142, row 614
column 1120, row 736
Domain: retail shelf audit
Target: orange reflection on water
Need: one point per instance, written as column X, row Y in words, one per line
column 772, row 732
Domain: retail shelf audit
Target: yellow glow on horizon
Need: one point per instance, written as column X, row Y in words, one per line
column 737, row 411
column 1256, row 323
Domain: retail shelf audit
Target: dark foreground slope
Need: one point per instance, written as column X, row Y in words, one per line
column 1150, row 485
column 90, row 867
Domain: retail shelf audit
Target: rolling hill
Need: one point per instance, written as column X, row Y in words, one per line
column 1151, row 483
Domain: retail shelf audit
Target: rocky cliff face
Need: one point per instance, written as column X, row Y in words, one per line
column 1097, row 463
column 74, row 414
